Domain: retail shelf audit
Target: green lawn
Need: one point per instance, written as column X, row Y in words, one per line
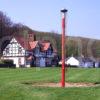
column 12, row 87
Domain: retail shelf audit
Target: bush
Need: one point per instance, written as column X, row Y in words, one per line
column 7, row 64
column 7, row 61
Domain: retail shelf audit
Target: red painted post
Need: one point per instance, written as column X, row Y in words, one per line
column 63, row 11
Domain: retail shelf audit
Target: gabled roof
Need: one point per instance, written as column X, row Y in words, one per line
column 29, row 45
column 33, row 44
column 23, row 42
column 72, row 61
column 45, row 46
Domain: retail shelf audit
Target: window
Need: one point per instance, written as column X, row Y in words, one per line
column 7, row 50
column 49, row 52
column 37, row 62
column 37, row 50
column 19, row 49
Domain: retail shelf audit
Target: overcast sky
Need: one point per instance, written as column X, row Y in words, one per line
column 44, row 15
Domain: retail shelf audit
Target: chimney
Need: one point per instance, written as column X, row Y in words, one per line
column 31, row 37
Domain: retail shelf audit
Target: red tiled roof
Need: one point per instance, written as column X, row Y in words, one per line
column 29, row 45
column 23, row 42
column 45, row 46
column 55, row 50
column 33, row 44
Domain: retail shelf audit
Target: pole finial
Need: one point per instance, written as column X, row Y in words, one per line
column 64, row 10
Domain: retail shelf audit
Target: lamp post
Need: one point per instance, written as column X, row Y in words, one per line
column 63, row 12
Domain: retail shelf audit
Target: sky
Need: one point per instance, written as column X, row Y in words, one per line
column 83, row 17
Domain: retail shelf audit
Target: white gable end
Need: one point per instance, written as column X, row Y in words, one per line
column 72, row 61
column 14, row 49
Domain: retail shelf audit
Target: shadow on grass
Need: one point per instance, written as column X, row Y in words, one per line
column 29, row 82
column 40, row 82
column 97, row 83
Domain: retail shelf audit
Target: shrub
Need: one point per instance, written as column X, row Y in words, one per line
column 7, row 64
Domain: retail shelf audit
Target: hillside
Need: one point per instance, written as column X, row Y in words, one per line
column 76, row 46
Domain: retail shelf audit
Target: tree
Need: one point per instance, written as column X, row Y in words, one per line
column 5, row 24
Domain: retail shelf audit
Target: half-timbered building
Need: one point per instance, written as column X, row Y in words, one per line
column 26, row 52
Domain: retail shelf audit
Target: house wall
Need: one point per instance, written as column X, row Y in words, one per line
column 18, row 61
column 14, row 51
column 97, row 65
column 88, row 65
column 48, row 61
column 42, row 62
column 72, row 61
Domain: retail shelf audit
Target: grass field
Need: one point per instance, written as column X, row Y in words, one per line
column 12, row 87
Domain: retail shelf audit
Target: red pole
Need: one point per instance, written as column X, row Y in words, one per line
column 63, row 46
